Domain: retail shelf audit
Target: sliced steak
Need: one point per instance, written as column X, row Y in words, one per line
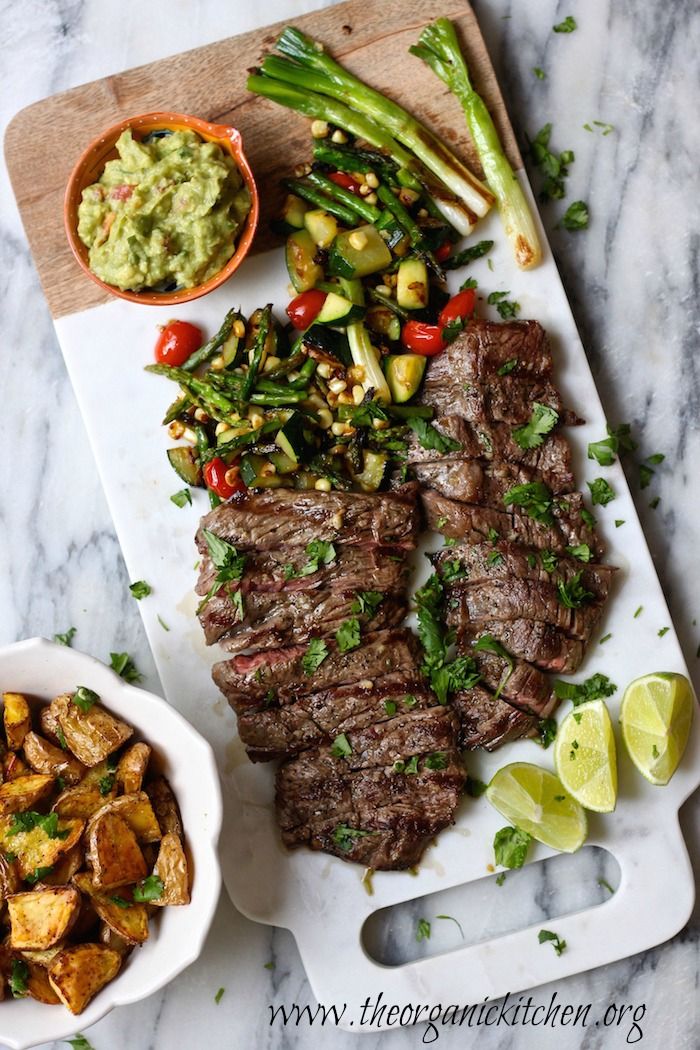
column 271, row 621
column 494, row 441
column 541, row 644
column 288, row 518
column 469, row 482
column 247, row 681
column 472, row 524
column 501, row 400
column 489, row 722
column 470, row 605
column 352, row 569
column 283, row 730
column 486, row 347
column 503, row 560
column 521, row 684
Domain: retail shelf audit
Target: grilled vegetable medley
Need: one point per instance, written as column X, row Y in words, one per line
column 91, row 843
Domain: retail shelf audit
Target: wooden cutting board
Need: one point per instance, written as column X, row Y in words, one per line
column 210, row 82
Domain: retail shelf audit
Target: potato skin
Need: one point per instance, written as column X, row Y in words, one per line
column 171, row 866
column 45, row 757
column 165, row 806
column 41, row 918
column 77, row 974
column 129, row 924
column 131, row 768
column 113, row 852
column 17, row 719
column 138, row 813
column 25, row 792
column 91, row 735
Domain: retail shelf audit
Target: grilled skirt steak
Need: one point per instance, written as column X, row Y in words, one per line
column 288, row 518
column 513, row 599
column 521, row 685
column 485, row 347
column 487, row 722
column 541, row 644
column 247, row 681
column 468, row 481
column 504, row 400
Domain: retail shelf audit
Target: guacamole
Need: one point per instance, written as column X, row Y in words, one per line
column 165, row 214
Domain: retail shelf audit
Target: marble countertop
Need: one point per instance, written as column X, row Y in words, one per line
column 632, row 281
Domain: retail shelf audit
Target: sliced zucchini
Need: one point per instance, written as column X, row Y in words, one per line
column 330, row 341
column 300, row 255
column 404, row 373
column 252, row 476
column 291, row 438
column 185, row 463
column 322, row 227
column 412, row 284
column 293, row 211
column 374, row 471
column 384, row 322
column 284, row 464
column 338, row 310
column 356, row 253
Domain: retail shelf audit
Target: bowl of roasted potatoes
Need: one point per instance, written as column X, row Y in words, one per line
column 110, row 813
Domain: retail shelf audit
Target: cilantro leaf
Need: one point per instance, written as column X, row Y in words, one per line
column 535, row 499
column 488, row 644
column 548, row 730
column 437, row 760
column 567, row 26
column 506, row 307
column 123, row 664
column 539, row 73
column 79, row 1042
column 367, row 602
column 229, row 564
column 341, row 747
column 38, row 874
column 601, row 492
column 547, row 935
column 474, row 788
column 549, row 560
column 597, row 687
column 182, row 498
column 345, row 837
column 149, row 889
column 582, row 552
column 423, row 930
column 84, row 698
column 316, row 653
column 430, row 437
column 542, row 422
column 573, row 594
column 646, row 473
column 140, row 589
column 348, row 635
column 30, row 819
column 508, row 367
column 67, row 638
column 19, row 975
column 576, row 216
column 510, row 846
column 220, row 994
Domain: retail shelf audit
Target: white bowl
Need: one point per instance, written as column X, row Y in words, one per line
column 42, row 669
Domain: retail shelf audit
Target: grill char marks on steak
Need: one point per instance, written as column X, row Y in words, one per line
column 469, row 482
column 473, row 524
column 315, row 718
column 472, row 604
column 322, row 799
column 484, row 348
column 246, row 681
column 508, row 399
column 489, row 722
column 541, row 644
column 277, row 518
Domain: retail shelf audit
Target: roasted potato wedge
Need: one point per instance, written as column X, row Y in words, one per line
column 48, row 723
column 10, row 881
column 65, row 868
column 112, row 940
column 131, row 768
column 98, row 786
column 129, row 920
column 42, row 956
column 25, row 792
column 39, row 986
column 165, row 806
column 171, row 867
column 138, row 813
column 45, row 757
column 77, row 974
column 91, row 735
column 35, row 849
column 41, row 918
column 13, row 766
column 17, row 718
column 113, row 852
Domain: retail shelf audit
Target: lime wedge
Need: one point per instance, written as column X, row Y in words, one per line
column 584, row 756
column 656, row 715
column 535, row 800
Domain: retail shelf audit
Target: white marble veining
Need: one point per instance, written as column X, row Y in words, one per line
column 632, row 281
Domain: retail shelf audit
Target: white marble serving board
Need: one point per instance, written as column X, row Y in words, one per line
column 321, row 899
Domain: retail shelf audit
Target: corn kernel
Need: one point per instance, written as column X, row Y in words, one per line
column 358, row 240
column 356, row 373
column 384, row 289
column 200, row 415
column 337, row 385
column 365, row 189
column 324, row 370
column 231, row 475
column 357, row 394
column 217, row 363
column 346, row 399
column 238, row 329
column 220, row 427
column 423, row 213
column 339, row 136
column 270, row 363
column 267, row 470
column 325, row 418
column 176, row 429
column 256, row 419
column 371, row 198
column 319, row 129
column 342, row 430
column 380, row 424
column 371, row 180
column 323, row 485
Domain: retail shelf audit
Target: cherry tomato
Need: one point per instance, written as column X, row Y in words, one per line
column 177, row 341
column 304, row 309
column 340, row 178
column 422, row 338
column 460, row 306
column 444, row 251
column 215, row 477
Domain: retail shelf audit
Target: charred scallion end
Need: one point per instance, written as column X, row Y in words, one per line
column 439, row 48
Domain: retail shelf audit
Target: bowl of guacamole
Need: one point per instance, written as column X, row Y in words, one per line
column 162, row 208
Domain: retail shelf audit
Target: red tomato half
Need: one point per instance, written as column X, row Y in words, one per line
column 422, row 338
column 215, row 477
column 460, row 306
column 176, row 342
column 443, row 252
column 304, row 309
column 341, row 178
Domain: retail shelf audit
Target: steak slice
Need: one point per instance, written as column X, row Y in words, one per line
column 315, row 718
column 247, row 681
column 273, row 620
column 289, row 518
column 541, row 644
column 494, row 441
column 521, row 684
column 484, row 347
column 352, row 569
column 489, row 722
column 501, row 400
column 503, row 560
column 513, row 599
column 472, row 524
column 469, row 482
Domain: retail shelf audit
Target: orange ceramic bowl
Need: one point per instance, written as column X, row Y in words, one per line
column 91, row 165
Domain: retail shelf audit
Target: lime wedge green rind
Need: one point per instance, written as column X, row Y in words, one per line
column 656, row 715
column 536, row 801
column 585, row 757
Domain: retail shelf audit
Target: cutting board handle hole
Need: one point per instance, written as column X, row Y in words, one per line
column 488, row 908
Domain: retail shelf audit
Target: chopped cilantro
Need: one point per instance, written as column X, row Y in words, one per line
column 507, row 308
column 149, row 889
column 84, row 698
column 120, row 902
column 618, row 522
column 219, row 996
column 663, row 631
column 508, row 367
column 542, row 421
column 510, row 846
column 535, row 499
column 67, row 637
column 423, row 930
column 438, row 760
column 19, row 975
column 348, row 635
column 38, row 874
column 605, row 885
column 316, row 653
column 597, row 687
column 567, row 26
column 123, row 664
column 576, row 216
column 345, row 837
column 367, row 602
column 474, row 788
column 582, row 552
column 573, row 594
column 547, row 935
column 140, row 589
column 451, row 918
column 30, row 819
column 605, row 638
column 430, row 438
column 547, row 730
column 181, row 498
column 602, row 492
column 390, row 708
column 162, row 622
column 549, row 560
column 539, row 73
column 500, row 878
column 475, row 251
column 488, row 644
column 646, row 473
column 341, row 747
